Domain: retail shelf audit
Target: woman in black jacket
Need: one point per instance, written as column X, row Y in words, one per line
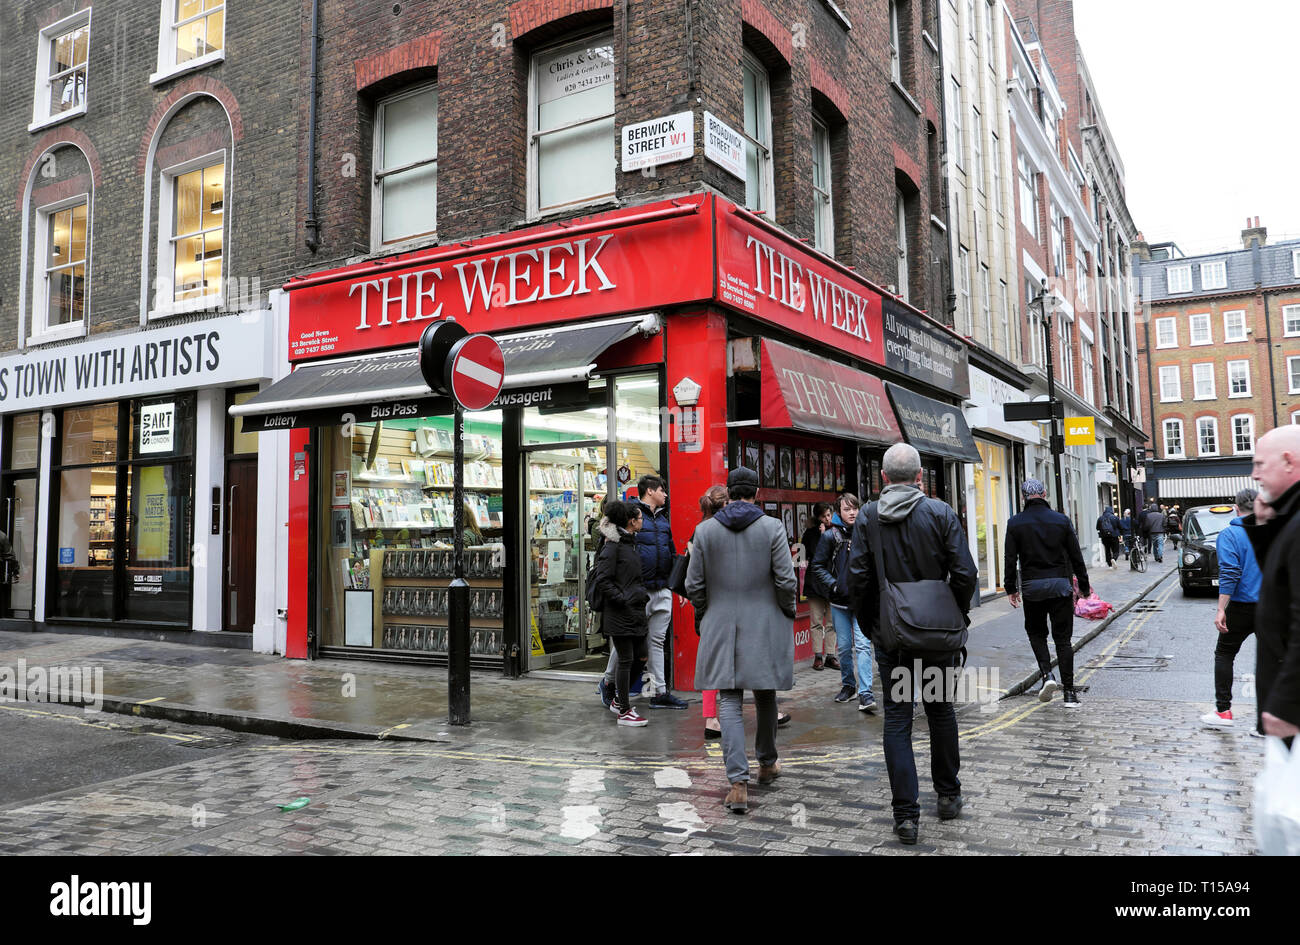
column 623, row 598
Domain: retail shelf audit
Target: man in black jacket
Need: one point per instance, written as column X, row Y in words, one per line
column 1153, row 530
column 920, row 539
column 1274, row 532
column 1108, row 532
column 1042, row 551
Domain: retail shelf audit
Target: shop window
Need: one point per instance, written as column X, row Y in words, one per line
column 548, row 425
column 823, row 214
column 637, row 424
column 571, row 125
column 238, row 441
column 61, row 274
column 124, row 511
column 61, row 57
column 759, row 189
column 192, row 35
column 192, row 215
column 389, row 524
column 404, row 201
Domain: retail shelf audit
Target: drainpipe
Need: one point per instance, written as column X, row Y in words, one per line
column 1272, row 380
column 313, row 225
column 945, row 204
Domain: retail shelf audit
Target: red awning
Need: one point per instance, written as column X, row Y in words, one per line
column 806, row 392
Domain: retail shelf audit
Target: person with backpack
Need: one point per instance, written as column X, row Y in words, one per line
column 1042, row 553
column 741, row 580
column 619, row 592
column 830, row 568
column 1174, row 527
column 1108, row 531
column 911, row 579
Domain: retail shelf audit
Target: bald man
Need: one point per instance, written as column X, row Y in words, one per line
column 1274, row 532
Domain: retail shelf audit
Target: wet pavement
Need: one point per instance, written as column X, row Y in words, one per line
column 241, row 690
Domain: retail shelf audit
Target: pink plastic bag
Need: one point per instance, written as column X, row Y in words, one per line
column 1092, row 607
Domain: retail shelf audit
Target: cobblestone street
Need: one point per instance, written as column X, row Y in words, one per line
column 1130, row 773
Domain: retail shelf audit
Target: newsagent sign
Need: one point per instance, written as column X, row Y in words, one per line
column 178, row 357
column 588, row 268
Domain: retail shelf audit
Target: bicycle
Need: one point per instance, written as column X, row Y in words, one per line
column 1137, row 559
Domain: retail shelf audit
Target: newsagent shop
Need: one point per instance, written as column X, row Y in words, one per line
column 129, row 495
column 675, row 338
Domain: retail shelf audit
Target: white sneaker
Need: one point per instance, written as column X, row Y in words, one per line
column 1047, row 688
column 1218, row 719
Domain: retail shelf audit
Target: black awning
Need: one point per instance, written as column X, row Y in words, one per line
column 545, row 367
column 933, row 426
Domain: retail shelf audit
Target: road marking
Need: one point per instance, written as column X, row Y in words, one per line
column 98, row 723
column 672, row 778
column 578, row 822
column 681, row 819
column 154, row 699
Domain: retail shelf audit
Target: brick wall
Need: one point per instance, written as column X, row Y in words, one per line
column 256, row 87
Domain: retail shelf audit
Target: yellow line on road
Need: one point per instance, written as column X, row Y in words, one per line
column 97, row 723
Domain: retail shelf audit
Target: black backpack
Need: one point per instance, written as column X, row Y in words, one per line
column 595, row 600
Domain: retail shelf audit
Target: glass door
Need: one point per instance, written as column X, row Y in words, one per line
column 563, row 489
column 20, row 527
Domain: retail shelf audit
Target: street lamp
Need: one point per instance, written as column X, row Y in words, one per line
column 1056, row 441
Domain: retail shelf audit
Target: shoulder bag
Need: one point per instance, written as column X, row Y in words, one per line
column 923, row 615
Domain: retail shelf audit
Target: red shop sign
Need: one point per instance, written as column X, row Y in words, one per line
column 805, row 392
column 764, row 275
column 620, row 261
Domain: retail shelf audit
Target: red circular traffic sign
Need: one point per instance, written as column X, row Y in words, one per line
column 476, row 369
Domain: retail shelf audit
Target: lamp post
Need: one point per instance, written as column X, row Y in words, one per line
column 1056, row 441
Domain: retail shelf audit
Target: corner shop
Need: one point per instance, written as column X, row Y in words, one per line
column 624, row 335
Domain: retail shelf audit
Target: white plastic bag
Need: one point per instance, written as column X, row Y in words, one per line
column 1277, row 801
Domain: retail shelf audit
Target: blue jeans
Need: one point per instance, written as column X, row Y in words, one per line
column 898, row 693
column 854, row 650
column 1158, row 546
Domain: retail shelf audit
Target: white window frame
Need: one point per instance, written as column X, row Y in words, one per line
column 1028, row 178
column 1213, row 424
column 1295, row 263
column 378, row 172
column 900, row 235
column 1245, row 366
column 168, row 67
column 1065, row 335
column 39, row 332
column 977, row 149
column 958, row 147
column 1006, row 314
column 41, row 114
column 1058, row 240
column 766, row 187
column 1182, row 442
column 1250, row 418
column 1165, row 373
column 963, row 260
column 1161, row 325
column 1293, row 374
column 165, row 307
column 1198, row 377
column 1178, row 279
column 895, row 45
column 823, row 208
column 1199, row 319
column 1085, row 362
column 1295, row 417
column 1230, row 335
column 1214, row 275
column 1290, row 328
column 535, row 210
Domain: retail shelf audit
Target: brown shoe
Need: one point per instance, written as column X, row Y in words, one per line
column 817, row 662
column 769, row 773
column 738, row 798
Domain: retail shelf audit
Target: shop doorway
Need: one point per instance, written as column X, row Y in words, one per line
column 991, row 513
column 239, row 579
column 19, row 503
column 563, row 489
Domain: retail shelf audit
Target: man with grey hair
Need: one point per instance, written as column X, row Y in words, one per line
column 1239, row 581
column 1274, row 532
column 910, row 558
column 1042, row 552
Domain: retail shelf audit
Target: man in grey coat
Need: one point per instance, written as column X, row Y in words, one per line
column 741, row 578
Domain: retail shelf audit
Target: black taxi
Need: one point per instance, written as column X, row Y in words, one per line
column 1198, row 562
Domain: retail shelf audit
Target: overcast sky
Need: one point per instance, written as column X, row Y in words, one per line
column 1200, row 97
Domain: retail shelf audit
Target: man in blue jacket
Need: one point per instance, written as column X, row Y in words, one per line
column 654, row 543
column 1239, row 583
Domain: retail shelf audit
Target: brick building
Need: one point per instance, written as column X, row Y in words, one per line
column 1220, row 341
column 146, row 159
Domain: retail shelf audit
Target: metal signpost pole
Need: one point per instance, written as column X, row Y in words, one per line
column 1056, row 445
column 458, row 592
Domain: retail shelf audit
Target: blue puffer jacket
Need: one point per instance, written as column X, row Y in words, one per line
column 1239, row 574
column 654, row 543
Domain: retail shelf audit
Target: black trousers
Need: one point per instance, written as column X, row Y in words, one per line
column 1241, row 624
column 1112, row 549
column 1060, row 610
column 631, row 651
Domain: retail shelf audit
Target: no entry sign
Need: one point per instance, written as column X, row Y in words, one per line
column 475, row 371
